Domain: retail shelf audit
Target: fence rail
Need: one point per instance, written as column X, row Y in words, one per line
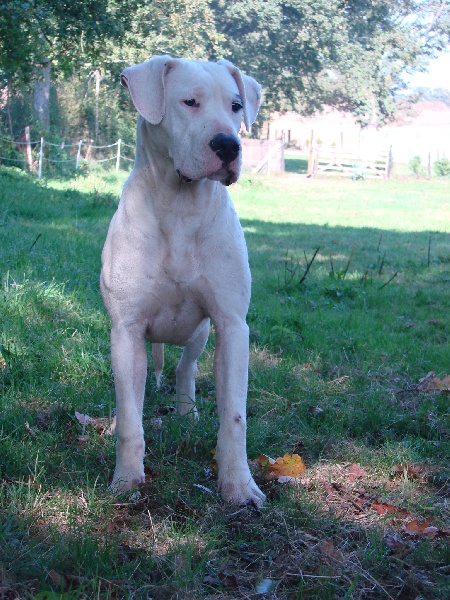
column 36, row 163
column 349, row 164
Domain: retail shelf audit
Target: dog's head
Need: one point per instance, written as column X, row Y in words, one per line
column 199, row 106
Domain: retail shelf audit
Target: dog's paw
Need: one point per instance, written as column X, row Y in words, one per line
column 241, row 490
column 124, row 482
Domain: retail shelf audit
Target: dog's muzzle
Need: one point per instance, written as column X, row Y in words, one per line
column 227, row 147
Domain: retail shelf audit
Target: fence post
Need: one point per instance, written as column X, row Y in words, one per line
column 41, row 151
column 28, row 143
column 78, row 154
column 389, row 163
column 311, row 155
column 118, row 156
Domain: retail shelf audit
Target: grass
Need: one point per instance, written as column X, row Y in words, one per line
column 335, row 370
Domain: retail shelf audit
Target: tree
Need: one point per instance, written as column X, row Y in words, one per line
column 348, row 53
column 61, row 35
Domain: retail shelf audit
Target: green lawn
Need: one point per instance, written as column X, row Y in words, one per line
column 335, row 376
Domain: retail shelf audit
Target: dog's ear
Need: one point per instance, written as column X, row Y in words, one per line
column 250, row 91
column 145, row 83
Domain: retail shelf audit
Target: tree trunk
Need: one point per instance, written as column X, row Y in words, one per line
column 41, row 101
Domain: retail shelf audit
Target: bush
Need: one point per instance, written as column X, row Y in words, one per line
column 442, row 167
column 415, row 164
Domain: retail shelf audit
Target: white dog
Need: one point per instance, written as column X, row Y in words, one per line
column 175, row 256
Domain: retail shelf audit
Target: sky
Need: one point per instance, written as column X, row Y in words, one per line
column 438, row 75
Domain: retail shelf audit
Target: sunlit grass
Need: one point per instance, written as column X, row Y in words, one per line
column 350, row 340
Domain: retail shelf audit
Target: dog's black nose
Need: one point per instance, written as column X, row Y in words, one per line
column 227, row 147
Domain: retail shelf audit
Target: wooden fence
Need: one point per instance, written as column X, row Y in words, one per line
column 349, row 164
column 263, row 155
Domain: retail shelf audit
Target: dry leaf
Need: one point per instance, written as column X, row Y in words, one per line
column 356, row 472
column 328, row 548
column 315, row 411
column 103, row 425
column 411, row 471
column 290, row 465
column 264, row 585
column 264, row 461
column 424, row 529
column 397, row 546
column 389, row 509
column 286, row 469
column 432, row 383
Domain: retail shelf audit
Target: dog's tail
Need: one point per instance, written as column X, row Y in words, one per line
column 158, row 361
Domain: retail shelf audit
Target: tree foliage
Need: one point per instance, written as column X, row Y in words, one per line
column 347, row 53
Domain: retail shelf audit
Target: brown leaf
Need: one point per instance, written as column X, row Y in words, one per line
column 356, row 472
column 103, row 425
column 397, row 546
column 411, row 471
column 227, row 580
column 389, row 509
column 424, row 529
column 315, row 411
column 57, row 580
column 432, row 383
column 327, row 547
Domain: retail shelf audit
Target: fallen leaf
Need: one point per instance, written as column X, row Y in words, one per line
column 389, row 509
column 83, row 419
column 150, row 473
column 356, row 472
column 315, row 411
column 265, row 585
column 264, row 461
column 432, row 383
column 411, row 471
column 424, row 529
column 103, row 425
column 397, row 546
column 286, row 469
column 227, row 580
column 290, row 465
column 328, row 548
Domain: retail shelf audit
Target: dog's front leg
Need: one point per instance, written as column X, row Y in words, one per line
column 129, row 363
column 231, row 372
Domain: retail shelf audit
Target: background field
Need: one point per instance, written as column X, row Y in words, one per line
column 335, row 376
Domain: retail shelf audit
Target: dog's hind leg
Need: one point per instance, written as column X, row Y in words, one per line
column 187, row 369
column 158, row 362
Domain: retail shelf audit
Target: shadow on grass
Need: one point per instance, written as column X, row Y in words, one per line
column 296, row 164
column 344, row 340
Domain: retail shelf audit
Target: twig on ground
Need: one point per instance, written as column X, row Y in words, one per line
column 379, row 242
column 389, row 280
column 380, row 270
column 292, row 270
column 308, row 266
column 348, row 263
column 34, row 243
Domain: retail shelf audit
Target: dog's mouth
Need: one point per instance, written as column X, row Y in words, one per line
column 225, row 175
column 183, row 177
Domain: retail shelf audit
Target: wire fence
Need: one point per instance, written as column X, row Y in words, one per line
column 36, row 154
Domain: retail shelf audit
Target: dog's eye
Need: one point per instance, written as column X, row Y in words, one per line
column 236, row 107
column 191, row 102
